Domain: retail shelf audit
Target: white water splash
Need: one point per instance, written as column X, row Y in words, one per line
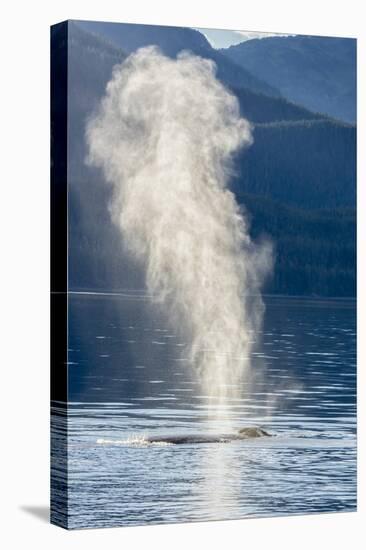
column 133, row 441
column 164, row 136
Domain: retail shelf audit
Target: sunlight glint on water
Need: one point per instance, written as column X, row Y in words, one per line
column 125, row 388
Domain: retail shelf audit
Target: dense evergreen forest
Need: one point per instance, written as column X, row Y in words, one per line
column 310, row 164
column 314, row 249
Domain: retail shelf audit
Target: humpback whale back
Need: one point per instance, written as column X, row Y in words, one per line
column 243, row 433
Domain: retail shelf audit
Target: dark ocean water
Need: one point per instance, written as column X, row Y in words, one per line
column 129, row 379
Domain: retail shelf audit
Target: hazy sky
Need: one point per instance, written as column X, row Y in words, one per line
column 224, row 38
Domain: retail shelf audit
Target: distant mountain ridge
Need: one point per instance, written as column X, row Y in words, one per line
column 172, row 40
column 316, row 72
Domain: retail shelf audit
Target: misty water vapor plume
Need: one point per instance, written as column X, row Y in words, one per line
column 164, row 136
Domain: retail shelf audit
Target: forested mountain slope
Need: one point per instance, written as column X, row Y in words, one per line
column 297, row 182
